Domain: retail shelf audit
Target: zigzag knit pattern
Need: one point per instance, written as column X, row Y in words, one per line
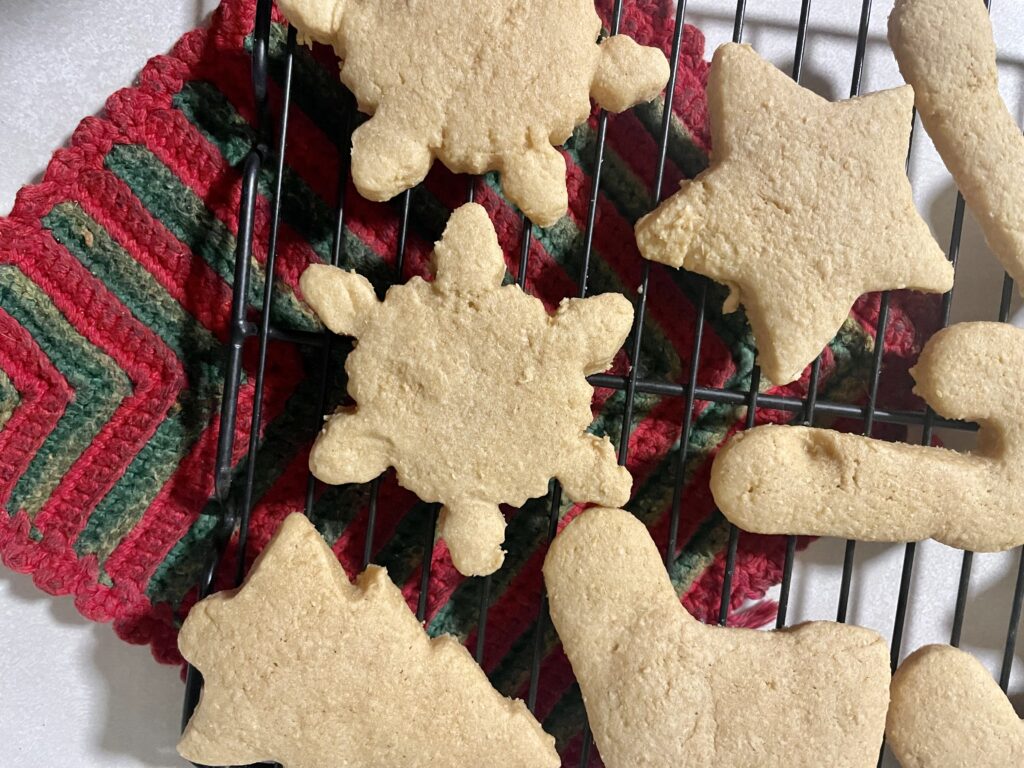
column 115, row 287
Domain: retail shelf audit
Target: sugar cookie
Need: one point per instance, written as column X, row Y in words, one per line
column 946, row 51
column 661, row 689
column 948, row 712
column 484, row 85
column 472, row 391
column 304, row 668
column 805, row 206
column 805, row 481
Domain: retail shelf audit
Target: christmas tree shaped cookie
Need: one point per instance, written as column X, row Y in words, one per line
column 805, row 206
column 470, row 389
column 302, row 667
column 484, row 85
column 663, row 690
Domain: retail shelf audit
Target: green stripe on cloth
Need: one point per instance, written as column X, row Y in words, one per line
column 147, row 473
column 180, row 571
column 186, row 216
column 307, row 213
column 98, row 383
column 200, row 355
column 619, row 184
column 139, row 291
column 316, row 91
column 10, row 399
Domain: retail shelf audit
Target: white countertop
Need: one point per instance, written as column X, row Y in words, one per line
column 73, row 694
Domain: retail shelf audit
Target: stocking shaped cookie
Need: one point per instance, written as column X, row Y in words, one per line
column 304, row 668
column 805, row 206
column 663, row 690
column 948, row 712
column 946, row 51
column 805, row 481
column 472, row 391
column 481, row 84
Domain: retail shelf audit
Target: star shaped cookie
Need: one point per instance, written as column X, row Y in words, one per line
column 805, row 206
column 304, row 668
column 470, row 389
column 484, row 85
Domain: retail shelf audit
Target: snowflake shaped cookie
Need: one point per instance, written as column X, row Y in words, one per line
column 484, row 85
column 470, row 389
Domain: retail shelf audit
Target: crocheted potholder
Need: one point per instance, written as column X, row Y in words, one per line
column 115, row 288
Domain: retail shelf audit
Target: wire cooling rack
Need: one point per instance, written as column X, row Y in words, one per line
column 267, row 152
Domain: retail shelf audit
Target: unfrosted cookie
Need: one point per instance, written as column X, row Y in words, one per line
column 948, row 712
column 484, row 85
column 663, row 690
column 304, row 668
column 805, row 206
column 472, row 391
column 946, row 51
column 804, row 481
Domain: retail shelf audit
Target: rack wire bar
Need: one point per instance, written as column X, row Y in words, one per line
column 234, row 504
column 910, row 550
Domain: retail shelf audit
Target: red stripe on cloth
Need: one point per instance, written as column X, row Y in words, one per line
column 188, row 279
column 156, row 378
column 154, row 371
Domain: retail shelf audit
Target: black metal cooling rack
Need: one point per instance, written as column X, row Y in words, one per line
column 234, row 517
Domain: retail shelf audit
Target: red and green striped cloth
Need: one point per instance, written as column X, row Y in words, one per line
column 115, row 286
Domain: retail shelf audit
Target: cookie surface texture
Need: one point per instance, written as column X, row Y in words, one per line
column 483, row 85
column 948, row 712
column 946, row 51
column 805, row 206
column 808, row 481
column 470, row 389
column 305, row 668
column 663, row 690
